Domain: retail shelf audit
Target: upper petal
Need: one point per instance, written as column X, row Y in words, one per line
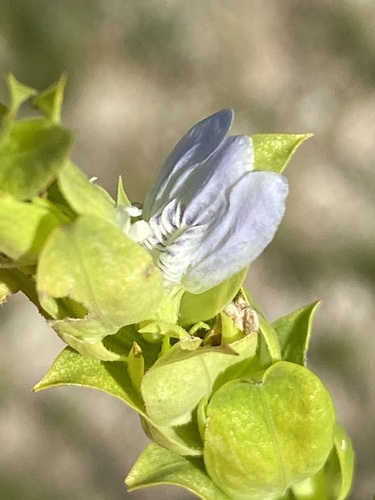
column 206, row 191
column 198, row 144
column 255, row 209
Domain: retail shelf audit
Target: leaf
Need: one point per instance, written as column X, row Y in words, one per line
column 293, row 332
column 122, row 199
column 15, row 280
column 24, row 228
column 184, row 439
column 19, row 93
column 157, row 465
column 95, row 350
column 175, row 384
column 122, row 342
column 50, row 100
column 85, row 197
column 4, row 110
column 71, row 368
column 334, row 480
column 268, row 344
column 136, row 366
column 95, row 264
column 261, row 438
column 340, row 466
column 313, row 488
column 203, row 306
column 161, row 328
column 273, row 151
column 269, row 349
column 31, row 154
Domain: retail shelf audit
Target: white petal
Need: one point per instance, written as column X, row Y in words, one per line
column 256, row 208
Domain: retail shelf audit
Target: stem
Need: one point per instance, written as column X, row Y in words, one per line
column 16, row 280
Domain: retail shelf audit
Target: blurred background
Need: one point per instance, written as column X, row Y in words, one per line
column 140, row 74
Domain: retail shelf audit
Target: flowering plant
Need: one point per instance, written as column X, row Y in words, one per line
column 151, row 304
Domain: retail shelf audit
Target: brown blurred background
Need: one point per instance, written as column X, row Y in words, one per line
column 140, row 74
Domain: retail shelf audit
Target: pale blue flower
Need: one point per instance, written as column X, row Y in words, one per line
column 210, row 214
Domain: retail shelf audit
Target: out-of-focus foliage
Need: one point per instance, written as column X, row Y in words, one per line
column 138, row 73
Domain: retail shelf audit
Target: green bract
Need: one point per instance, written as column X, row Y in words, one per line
column 262, row 437
column 176, row 383
column 227, row 398
column 93, row 263
column 31, row 152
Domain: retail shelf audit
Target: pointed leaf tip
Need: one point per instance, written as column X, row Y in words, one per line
column 274, row 151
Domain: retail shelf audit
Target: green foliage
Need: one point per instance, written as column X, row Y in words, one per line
column 50, row 100
column 273, row 151
column 82, row 261
column 176, row 383
column 203, row 306
column 157, row 465
column 233, row 410
column 25, row 229
column 19, row 93
column 122, row 199
column 335, row 478
column 275, row 433
column 293, row 332
column 83, row 196
column 71, row 368
column 31, row 152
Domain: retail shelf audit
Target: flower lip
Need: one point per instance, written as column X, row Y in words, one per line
column 210, row 213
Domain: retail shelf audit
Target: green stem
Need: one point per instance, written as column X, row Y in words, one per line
column 17, row 280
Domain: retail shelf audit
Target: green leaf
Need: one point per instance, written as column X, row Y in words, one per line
column 24, row 228
column 289, row 495
column 122, row 199
column 203, row 306
column 293, row 332
column 161, row 328
column 4, row 110
column 19, row 93
column 334, row 480
column 184, row 439
column 56, row 199
column 85, row 197
column 122, row 342
column 273, row 151
column 268, row 348
column 50, row 100
column 340, row 466
column 313, row 488
column 95, row 350
column 136, row 366
column 95, row 264
column 157, row 465
column 14, row 279
column 31, row 154
column 176, row 383
column 261, row 438
column 71, row 368
column 268, row 344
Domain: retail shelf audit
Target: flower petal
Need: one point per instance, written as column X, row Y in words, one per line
column 205, row 193
column 256, row 207
column 198, row 144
